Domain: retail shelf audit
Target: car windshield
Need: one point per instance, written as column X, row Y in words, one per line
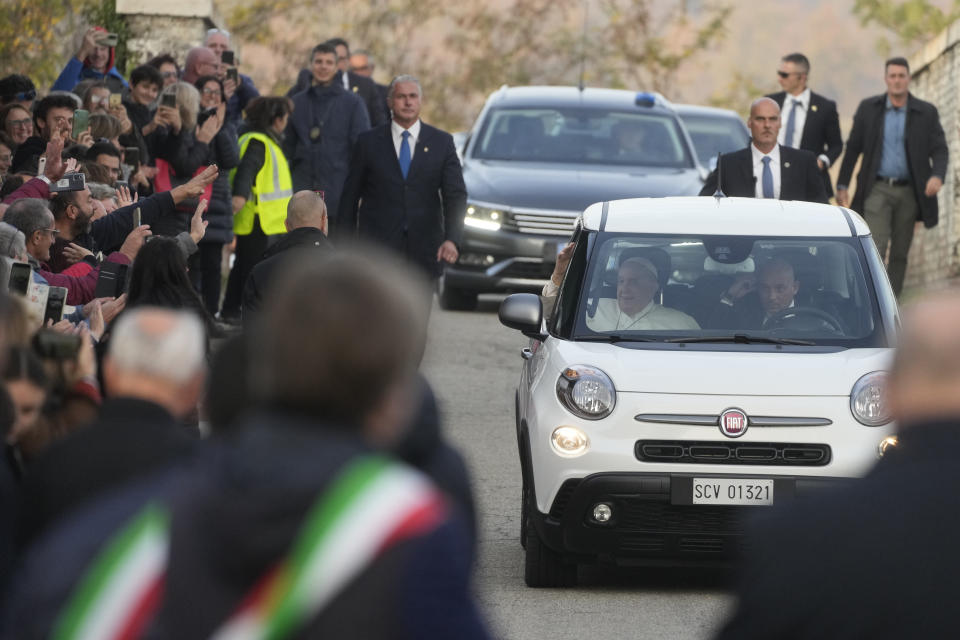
column 732, row 289
column 583, row 136
column 713, row 134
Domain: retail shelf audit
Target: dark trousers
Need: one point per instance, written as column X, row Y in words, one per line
column 205, row 274
column 249, row 252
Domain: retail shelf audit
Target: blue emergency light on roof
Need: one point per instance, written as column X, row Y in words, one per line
column 645, row 99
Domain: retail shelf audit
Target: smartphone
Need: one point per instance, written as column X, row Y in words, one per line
column 81, row 120
column 20, row 277
column 131, row 156
column 233, row 75
column 168, row 100
column 204, row 115
column 227, row 58
column 108, row 39
column 112, row 280
column 56, row 298
column 136, row 217
column 122, row 183
column 116, row 100
column 53, row 345
column 41, row 165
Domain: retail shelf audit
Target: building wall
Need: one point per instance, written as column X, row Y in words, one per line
column 935, row 254
column 166, row 26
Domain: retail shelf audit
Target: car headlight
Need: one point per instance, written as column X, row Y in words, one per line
column 486, row 218
column 586, row 392
column 868, row 400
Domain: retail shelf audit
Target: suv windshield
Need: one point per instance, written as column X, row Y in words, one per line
column 714, row 134
column 728, row 289
column 584, row 136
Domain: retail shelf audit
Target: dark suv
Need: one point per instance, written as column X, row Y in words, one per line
column 537, row 157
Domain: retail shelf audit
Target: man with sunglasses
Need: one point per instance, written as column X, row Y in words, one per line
column 18, row 89
column 809, row 121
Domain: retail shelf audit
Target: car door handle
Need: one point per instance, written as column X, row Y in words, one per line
column 526, row 353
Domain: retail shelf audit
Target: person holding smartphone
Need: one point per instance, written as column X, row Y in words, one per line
column 94, row 60
column 238, row 88
column 205, row 265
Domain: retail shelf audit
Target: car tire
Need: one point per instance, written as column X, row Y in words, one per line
column 452, row 299
column 544, row 567
column 524, row 505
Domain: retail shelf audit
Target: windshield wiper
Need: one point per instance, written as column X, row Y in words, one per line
column 743, row 338
column 613, row 338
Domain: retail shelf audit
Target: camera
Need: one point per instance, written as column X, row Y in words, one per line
column 69, row 182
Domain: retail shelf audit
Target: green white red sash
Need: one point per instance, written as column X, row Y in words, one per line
column 371, row 506
column 122, row 588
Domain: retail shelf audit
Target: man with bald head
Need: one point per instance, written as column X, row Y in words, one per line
column 767, row 169
column 306, row 231
column 876, row 559
column 200, row 62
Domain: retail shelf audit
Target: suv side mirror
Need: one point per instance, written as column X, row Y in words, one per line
column 524, row 312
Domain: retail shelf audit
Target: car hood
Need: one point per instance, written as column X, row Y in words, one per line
column 735, row 373
column 565, row 188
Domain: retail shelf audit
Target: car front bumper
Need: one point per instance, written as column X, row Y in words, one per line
column 653, row 519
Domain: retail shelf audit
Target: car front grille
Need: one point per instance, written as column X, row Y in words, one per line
column 541, row 222
column 734, row 453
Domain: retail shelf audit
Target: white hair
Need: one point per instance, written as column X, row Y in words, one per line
column 156, row 342
column 404, row 78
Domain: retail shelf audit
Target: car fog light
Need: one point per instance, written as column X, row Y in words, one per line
column 886, row 445
column 569, row 441
column 602, row 512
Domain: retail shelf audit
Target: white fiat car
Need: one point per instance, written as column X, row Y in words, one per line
column 703, row 357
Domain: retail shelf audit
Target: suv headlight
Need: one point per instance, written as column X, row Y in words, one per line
column 868, row 400
column 586, row 392
column 485, row 218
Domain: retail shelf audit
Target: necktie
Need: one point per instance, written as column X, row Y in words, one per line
column 767, row 179
column 404, row 156
column 791, row 123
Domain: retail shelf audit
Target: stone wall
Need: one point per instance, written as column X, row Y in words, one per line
column 166, row 26
column 935, row 255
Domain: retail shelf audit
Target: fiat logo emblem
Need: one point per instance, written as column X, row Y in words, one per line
column 733, row 423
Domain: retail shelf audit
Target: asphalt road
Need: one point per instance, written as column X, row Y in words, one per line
column 473, row 363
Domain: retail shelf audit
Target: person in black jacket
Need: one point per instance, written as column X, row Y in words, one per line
column 815, row 124
column 904, row 164
column 767, row 169
column 405, row 188
column 877, row 558
column 205, row 265
column 306, row 230
column 359, row 84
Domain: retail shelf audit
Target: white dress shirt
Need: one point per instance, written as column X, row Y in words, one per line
column 346, row 80
column 799, row 119
column 758, row 157
column 397, row 132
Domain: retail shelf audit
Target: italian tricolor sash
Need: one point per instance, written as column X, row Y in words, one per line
column 122, row 588
column 372, row 505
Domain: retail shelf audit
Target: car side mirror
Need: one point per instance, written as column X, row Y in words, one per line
column 523, row 312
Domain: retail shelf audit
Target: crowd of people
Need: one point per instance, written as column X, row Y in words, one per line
column 324, row 481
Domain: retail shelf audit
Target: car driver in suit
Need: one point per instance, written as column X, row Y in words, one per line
column 767, row 169
column 405, row 187
column 810, row 121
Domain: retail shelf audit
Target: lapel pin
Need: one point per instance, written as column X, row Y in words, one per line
column 425, row 149
column 813, row 107
column 786, row 165
column 355, row 89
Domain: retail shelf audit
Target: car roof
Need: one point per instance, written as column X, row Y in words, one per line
column 553, row 97
column 708, row 215
column 700, row 110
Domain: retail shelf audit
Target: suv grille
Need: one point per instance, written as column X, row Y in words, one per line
column 764, row 453
column 551, row 223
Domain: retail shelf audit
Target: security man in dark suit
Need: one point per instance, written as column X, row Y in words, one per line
column 766, row 169
column 904, row 164
column 877, row 558
column 363, row 86
column 810, row 121
column 405, row 187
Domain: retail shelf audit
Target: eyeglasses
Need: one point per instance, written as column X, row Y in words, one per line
column 95, row 99
column 210, row 32
column 169, row 74
column 787, row 74
column 21, row 96
column 211, row 92
column 52, row 232
column 19, row 124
